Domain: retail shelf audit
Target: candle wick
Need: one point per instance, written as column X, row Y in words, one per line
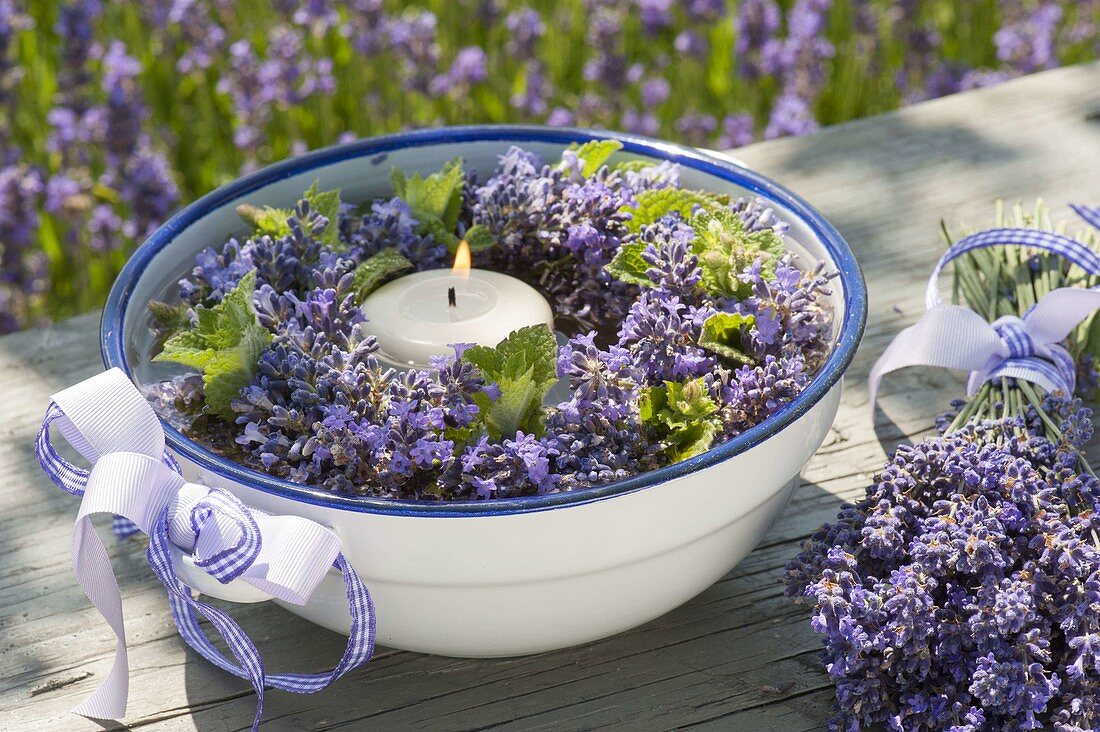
column 452, row 299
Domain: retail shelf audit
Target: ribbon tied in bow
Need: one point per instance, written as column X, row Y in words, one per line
column 1028, row 348
column 133, row 477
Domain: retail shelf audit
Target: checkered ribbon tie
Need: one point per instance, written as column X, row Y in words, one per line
column 133, row 477
column 1028, row 348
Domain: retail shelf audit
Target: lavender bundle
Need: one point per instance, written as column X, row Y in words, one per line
column 963, row 591
column 707, row 326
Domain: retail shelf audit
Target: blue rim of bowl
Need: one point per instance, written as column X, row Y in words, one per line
column 848, row 337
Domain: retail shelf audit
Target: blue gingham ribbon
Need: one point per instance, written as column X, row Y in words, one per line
column 1028, row 348
column 133, row 477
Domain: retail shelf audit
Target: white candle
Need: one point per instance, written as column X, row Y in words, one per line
column 414, row 319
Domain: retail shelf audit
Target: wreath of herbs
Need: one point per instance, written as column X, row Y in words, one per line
column 714, row 329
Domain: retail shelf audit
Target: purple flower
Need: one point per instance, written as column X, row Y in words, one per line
column 790, row 115
column 201, row 38
column 60, row 192
column 560, row 117
column 655, row 91
column 413, row 37
column 696, row 129
column 366, row 26
column 536, row 90
column 737, row 131
column 75, row 29
column 525, row 28
column 468, row 69
column 641, row 123
column 705, row 11
column 690, row 43
column 391, row 224
column 656, row 15
column 661, row 333
column 757, row 23
column 1027, row 44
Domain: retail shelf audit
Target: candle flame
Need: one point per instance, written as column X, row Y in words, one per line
column 463, row 261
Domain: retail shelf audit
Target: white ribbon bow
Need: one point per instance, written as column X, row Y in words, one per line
column 111, row 425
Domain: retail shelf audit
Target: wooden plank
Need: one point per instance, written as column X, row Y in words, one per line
column 740, row 656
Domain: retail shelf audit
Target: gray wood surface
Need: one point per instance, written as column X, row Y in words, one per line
column 737, row 657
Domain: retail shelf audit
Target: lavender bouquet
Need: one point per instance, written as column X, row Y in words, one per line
column 963, row 591
column 706, row 327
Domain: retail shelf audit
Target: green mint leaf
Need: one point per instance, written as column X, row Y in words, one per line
column 653, row 204
column 428, row 224
column 266, row 220
column 326, row 203
column 595, row 153
column 232, row 369
column 373, row 272
column 167, row 320
column 632, row 166
column 224, row 345
column 723, row 334
column 479, row 238
column 524, row 366
column 628, row 265
column 725, row 248
column 399, row 182
column 439, row 196
column 513, row 410
column 682, row 415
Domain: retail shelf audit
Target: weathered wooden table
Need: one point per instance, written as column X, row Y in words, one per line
column 739, row 656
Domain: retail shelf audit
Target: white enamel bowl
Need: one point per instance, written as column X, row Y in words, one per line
column 524, row 575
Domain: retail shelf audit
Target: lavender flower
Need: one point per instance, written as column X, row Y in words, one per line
column 791, row 115
column 536, row 90
column 75, row 27
column 468, row 69
column 1027, row 44
column 525, row 27
column 661, row 333
column 695, row 128
column 413, row 37
column 737, row 131
column 757, row 23
column 656, row 15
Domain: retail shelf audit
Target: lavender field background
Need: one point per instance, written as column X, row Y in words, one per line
column 114, row 113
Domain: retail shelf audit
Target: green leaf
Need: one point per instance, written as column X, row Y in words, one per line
column 439, row 196
column 428, row 224
column 224, row 345
column 682, row 415
column 326, row 203
column 524, row 366
column 628, row 265
column 595, row 153
column 399, row 182
column 723, row 334
column 266, row 220
column 167, row 321
column 653, row 204
column 479, row 238
column 232, row 369
column 632, row 166
column 725, row 248
column 371, row 273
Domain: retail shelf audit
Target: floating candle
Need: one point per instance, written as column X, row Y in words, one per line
column 418, row 316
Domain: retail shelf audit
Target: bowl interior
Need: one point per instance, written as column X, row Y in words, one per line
column 361, row 171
